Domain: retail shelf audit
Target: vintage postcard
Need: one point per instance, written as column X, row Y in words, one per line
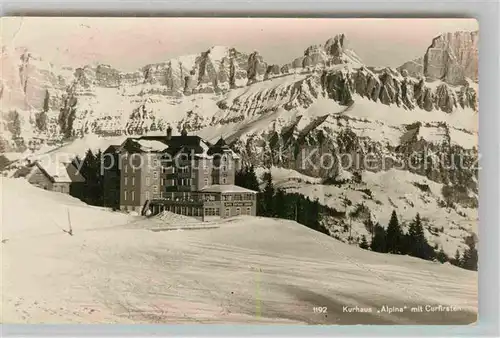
column 239, row 170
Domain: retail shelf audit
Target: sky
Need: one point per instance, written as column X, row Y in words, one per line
column 130, row 43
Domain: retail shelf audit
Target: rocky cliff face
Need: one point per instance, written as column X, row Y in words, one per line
column 297, row 129
column 108, row 100
column 215, row 70
column 26, row 77
column 451, row 57
column 334, row 51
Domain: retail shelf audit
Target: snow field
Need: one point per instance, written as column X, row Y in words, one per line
column 250, row 270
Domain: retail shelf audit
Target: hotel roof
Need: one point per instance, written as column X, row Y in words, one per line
column 226, row 188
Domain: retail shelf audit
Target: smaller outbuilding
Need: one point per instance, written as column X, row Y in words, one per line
column 59, row 177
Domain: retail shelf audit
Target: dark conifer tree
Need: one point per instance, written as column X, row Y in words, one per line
column 288, row 211
column 266, row 199
column 46, row 101
column 280, row 203
column 306, row 215
column 441, row 256
column 252, row 182
column 470, row 257
column 370, row 227
column 457, row 260
column 41, row 121
column 364, row 243
column 239, row 177
column 14, row 123
column 394, row 234
column 315, row 214
column 418, row 246
column 379, row 242
column 299, row 208
column 91, row 191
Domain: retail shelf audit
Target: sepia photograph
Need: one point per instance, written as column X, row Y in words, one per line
column 195, row 170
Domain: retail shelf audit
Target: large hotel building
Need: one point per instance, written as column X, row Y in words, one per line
column 182, row 174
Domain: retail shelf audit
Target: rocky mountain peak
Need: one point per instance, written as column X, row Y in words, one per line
column 334, row 51
column 451, row 57
column 335, row 46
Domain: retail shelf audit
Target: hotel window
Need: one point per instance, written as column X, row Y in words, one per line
column 223, row 181
column 133, row 180
column 224, row 168
column 133, row 195
column 237, row 197
column 206, row 182
column 155, row 189
column 212, row 212
column 125, row 181
column 227, row 212
column 248, row 210
column 155, row 163
column 147, row 181
column 124, row 195
column 155, row 175
column 125, row 168
column 238, row 211
column 147, row 195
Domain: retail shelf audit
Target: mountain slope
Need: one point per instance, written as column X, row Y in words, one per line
column 246, row 271
column 324, row 107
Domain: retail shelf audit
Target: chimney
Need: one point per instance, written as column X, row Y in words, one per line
column 169, row 132
column 184, row 131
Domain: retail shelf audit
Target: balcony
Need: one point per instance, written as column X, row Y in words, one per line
column 186, row 197
column 179, row 188
column 178, row 174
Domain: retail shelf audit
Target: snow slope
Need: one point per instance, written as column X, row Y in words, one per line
column 381, row 193
column 249, row 270
column 31, row 212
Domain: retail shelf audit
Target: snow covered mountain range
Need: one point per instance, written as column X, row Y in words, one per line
column 326, row 101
